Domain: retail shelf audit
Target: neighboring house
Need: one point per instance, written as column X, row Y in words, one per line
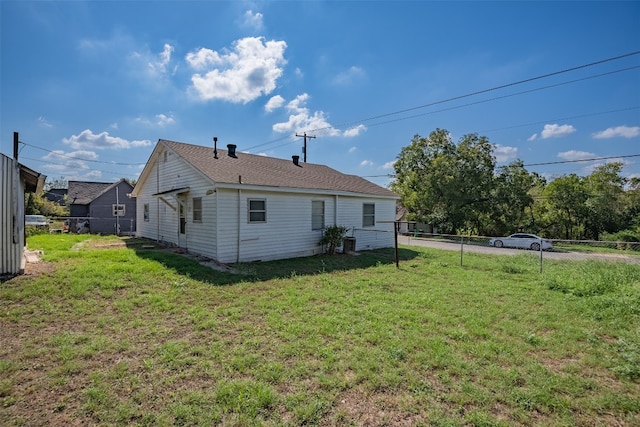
column 412, row 227
column 105, row 208
column 237, row 207
column 15, row 180
column 56, row 195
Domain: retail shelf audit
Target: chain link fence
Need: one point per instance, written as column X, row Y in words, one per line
column 545, row 249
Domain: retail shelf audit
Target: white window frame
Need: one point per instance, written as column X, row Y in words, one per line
column 118, row 209
column 251, row 211
column 197, row 211
column 317, row 216
column 368, row 218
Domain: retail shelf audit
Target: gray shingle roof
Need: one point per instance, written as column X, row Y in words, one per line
column 271, row 172
column 84, row 192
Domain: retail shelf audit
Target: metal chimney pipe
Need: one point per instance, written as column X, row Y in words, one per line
column 232, row 150
column 296, row 160
column 215, row 147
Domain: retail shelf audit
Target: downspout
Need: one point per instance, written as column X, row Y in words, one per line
column 158, row 199
column 238, row 246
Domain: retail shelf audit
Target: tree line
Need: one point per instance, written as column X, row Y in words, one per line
column 460, row 189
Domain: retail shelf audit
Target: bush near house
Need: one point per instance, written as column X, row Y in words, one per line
column 332, row 237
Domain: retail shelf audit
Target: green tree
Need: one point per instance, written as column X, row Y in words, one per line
column 60, row 182
column 605, row 201
column 445, row 184
column 513, row 201
column 39, row 205
column 566, row 197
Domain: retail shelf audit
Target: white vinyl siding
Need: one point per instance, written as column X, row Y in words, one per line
column 225, row 233
column 163, row 221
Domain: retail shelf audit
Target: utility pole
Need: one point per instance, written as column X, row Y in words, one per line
column 304, row 148
column 16, row 142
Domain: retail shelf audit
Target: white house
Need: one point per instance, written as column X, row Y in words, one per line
column 237, row 207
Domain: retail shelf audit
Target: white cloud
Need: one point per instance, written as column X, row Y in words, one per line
column 533, row 137
column 557, row 131
column 389, row 165
column 352, row 150
column 149, row 65
column 203, row 58
column 355, row 131
column 44, row 122
column 366, row 163
column 160, row 120
column 159, row 64
column 618, row 131
column 274, row 103
column 114, row 126
column 101, row 141
column 71, row 163
column 504, row 153
column 300, row 119
column 349, row 76
column 252, row 20
column 250, row 70
column 576, row 155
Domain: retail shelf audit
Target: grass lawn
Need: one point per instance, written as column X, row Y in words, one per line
column 105, row 332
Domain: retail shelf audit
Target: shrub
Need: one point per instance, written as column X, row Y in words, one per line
column 332, row 237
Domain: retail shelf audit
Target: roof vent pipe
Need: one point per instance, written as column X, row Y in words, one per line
column 296, row 160
column 232, row 150
column 215, row 147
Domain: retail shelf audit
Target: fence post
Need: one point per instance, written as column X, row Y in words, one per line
column 540, row 255
column 461, row 249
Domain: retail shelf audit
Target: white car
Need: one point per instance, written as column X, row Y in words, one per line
column 521, row 241
column 38, row 221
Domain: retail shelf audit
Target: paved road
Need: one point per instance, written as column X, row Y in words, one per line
column 455, row 246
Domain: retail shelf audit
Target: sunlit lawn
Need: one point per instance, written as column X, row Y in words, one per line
column 112, row 334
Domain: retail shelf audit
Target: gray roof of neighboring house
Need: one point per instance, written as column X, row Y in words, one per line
column 272, row 172
column 85, row 192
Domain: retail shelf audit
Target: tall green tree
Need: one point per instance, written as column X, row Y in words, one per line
column 512, row 205
column 566, row 214
column 445, row 184
column 605, row 200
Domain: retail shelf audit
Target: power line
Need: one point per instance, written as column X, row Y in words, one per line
column 47, row 162
column 455, row 98
column 500, row 97
column 560, row 162
column 79, row 158
column 581, row 116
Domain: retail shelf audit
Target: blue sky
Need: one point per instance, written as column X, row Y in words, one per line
column 92, row 85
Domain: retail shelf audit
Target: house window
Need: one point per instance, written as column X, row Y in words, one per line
column 368, row 214
column 146, row 212
column 317, row 214
column 257, row 210
column 118, row 210
column 197, row 209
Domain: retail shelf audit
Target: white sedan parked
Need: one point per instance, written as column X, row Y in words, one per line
column 521, row 241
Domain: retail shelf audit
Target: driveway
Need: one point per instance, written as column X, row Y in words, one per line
column 559, row 255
